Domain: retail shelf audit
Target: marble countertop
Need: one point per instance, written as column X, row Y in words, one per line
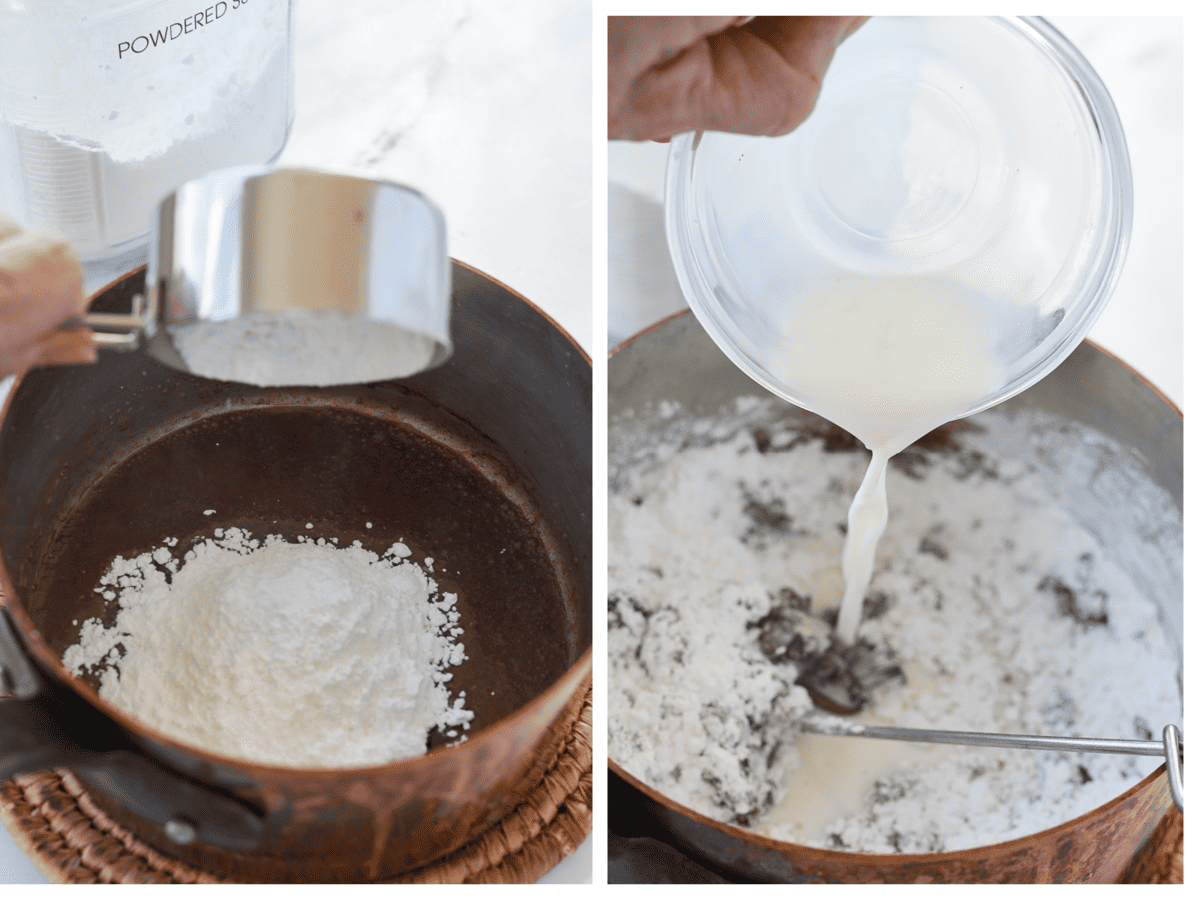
column 485, row 108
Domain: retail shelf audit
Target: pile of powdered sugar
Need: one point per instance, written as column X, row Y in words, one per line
column 301, row 347
column 1006, row 614
column 294, row 654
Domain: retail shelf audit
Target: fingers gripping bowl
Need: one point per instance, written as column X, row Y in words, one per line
column 980, row 158
column 485, row 462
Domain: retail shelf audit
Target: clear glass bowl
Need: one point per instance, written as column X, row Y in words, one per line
column 979, row 154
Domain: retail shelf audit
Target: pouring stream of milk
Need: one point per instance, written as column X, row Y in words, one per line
column 888, row 360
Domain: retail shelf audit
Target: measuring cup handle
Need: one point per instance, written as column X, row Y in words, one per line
column 115, row 331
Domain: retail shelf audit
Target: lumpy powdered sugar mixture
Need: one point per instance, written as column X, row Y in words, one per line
column 1004, row 614
column 294, row 654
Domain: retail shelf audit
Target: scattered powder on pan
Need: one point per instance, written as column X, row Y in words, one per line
column 1006, row 616
column 293, row 654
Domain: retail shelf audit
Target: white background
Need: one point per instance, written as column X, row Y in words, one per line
column 485, row 107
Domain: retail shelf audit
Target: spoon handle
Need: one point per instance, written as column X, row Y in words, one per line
column 1170, row 747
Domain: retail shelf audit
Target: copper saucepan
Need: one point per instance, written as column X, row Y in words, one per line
column 490, row 452
column 675, row 361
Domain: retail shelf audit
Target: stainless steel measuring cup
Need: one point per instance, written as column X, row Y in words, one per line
column 253, row 240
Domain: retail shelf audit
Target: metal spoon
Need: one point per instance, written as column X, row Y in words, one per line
column 1171, row 746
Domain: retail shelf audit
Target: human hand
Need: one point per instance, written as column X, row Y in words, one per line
column 670, row 74
column 41, row 285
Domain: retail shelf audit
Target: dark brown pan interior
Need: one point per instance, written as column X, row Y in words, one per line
column 277, row 468
column 482, row 465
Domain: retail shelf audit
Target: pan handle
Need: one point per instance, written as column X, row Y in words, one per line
column 17, row 675
column 33, row 738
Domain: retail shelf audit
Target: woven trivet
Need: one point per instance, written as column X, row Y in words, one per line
column 54, row 821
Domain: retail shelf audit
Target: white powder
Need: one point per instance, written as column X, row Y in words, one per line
column 1005, row 613
column 293, row 654
column 301, row 347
